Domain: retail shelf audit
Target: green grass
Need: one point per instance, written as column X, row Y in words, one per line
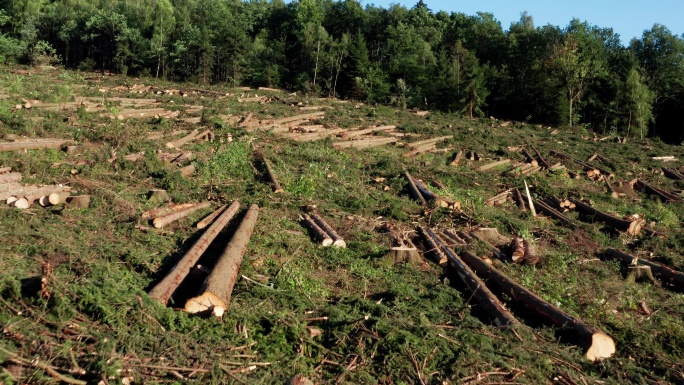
column 385, row 324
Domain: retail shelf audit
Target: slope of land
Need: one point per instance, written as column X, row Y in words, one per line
column 74, row 282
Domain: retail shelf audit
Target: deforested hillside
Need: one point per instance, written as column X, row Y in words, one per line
column 158, row 232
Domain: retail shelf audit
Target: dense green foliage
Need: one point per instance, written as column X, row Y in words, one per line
column 414, row 58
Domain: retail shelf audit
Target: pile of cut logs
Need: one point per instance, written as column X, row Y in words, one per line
column 22, row 196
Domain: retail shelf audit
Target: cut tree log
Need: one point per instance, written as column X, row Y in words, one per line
column 337, row 240
column 498, row 199
column 319, row 234
column 420, row 143
column 420, row 150
column 553, row 213
column 15, row 189
column 365, row 131
column 631, row 227
column 164, row 220
column 59, row 197
column 159, row 135
column 166, row 210
column 519, row 199
column 597, row 344
column 457, row 158
column 246, row 121
column 33, row 144
column 432, row 248
column 518, row 250
column 484, row 296
column 34, row 195
column 664, row 196
column 218, row 287
column 529, row 200
column 309, row 116
column 163, row 290
column 493, row 164
column 454, row 238
column 316, row 135
column 413, row 189
column 435, row 199
column 206, row 221
column 186, row 139
column 662, row 272
column 21, row 203
column 206, row 135
column 271, row 177
column 370, row 142
column 135, row 157
column 530, row 253
column 5, row 170
column 10, row 177
column 674, row 174
column 79, row 201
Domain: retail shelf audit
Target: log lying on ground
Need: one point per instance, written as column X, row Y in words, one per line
column 518, row 250
column 631, row 227
column 337, row 240
column 585, row 165
column 553, row 213
column 319, row 234
column 33, row 144
column 163, row 290
column 10, row 177
column 484, row 296
column 498, row 199
column 453, row 238
column 457, row 158
column 271, row 178
column 665, row 196
column 365, row 143
column 159, row 135
column 162, row 221
column 420, row 143
column 431, row 247
column 309, row 116
column 166, row 210
column 664, row 273
column 187, row 170
column 206, row 221
column 59, row 197
column 34, row 195
column 413, row 189
column 519, row 200
column 218, row 287
column 543, row 162
column 5, row 170
column 436, row 200
column 365, row 131
column 493, row 164
column 674, row 174
column 597, row 344
column 422, row 149
column 14, row 189
column 186, row 139
column 246, row 121
column 316, row 135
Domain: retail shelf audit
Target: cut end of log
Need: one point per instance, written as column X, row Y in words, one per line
column 58, row 198
column 602, row 346
column 206, row 303
column 339, row 243
column 21, row 203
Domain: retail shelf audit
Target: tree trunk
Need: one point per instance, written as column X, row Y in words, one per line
column 166, row 210
column 597, row 345
column 413, row 189
column 206, row 221
column 664, row 273
column 365, row 143
column 162, row 221
column 179, row 142
column 319, row 234
column 218, row 287
column 631, row 227
column 337, row 240
column 163, row 290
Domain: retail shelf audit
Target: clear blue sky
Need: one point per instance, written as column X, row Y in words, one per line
column 629, row 18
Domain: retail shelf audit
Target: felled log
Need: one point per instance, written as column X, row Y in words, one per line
column 151, row 214
column 271, row 177
column 159, row 135
column 493, row 164
column 163, row 290
column 365, row 131
column 206, row 221
column 436, row 200
column 365, row 143
column 79, row 201
column 662, row 272
column 20, row 203
column 431, row 247
column 413, row 189
column 337, row 240
column 457, row 158
column 316, row 135
column 59, row 197
column 135, row 157
column 420, row 150
column 532, row 170
column 34, row 195
column 484, row 296
column 10, row 177
column 498, row 199
column 674, row 174
column 218, row 287
column 427, row 141
column 319, row 234
column 585, row 165
column 530, row 253
column 518, row 250
column 15, row 189
column 164, row 220
column 664, row 196
column 631, row 227
column 186, row 139
column 246, row 121
column 206, row 135
column 5, row 170
column 309, row 116
column 33, row 144
column 519, row 200
column 530, row 158
column 597, row 344
column 553, row 213
column 453, row 238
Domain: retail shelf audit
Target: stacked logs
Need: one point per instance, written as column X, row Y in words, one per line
column 322, row 231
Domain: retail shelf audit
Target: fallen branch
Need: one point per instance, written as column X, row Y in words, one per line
column 217, row 290
column 165, row 288
column 597, row 345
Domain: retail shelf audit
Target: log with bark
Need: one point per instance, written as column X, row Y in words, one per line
column 337, row 240
column 316, row 135
column 373, row 141
column 413, row 189
column 519, row 200
column 365, row 131
column 453, row 238
column 518, row 250
column 631, row 227
column 421, row 149
column 309, row 116
column 553, row 213
column 10, row 177
column 172, row 208
column 662, row 272
column 33, row 144
column 217, row 289
column 435, row 199
column 484, row 296
column 180, row 142
column 597, row 344
column 498, row 199
column 164, row 220
column 272, row 178
column 206, row 221
column 664, row 195
column 430, row 247
column 674, row 174
column 319, row 234
column 59, row 197
column 163, row 290
column 493, row 164
column 246, row 121
column 457, row 158
column 36, row 194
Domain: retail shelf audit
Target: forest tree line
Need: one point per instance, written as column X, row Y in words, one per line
column 580, row 74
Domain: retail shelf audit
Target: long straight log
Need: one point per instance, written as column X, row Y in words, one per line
column 597, row 344
column 355, row 133
column 316, row 135
column 433, row 248
column 271, row 177
column 206, row 221
column 186, row 139
column 33, row 144
column 166, row 210
column 10, row 177
column 319, row 234
column 484, row 296
column 365, row 143
column 550, row 211
column 163, row 290
column 543, row 162
column 288, row 119
column 664, row 273
column 493, row 164
column 430, row 196
column 662, row 194
column 413, row 189
column 337, row 240
column 218, row 287
column 674, row 174
column 162, row 221
column 631, row 227
column 427, row 141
